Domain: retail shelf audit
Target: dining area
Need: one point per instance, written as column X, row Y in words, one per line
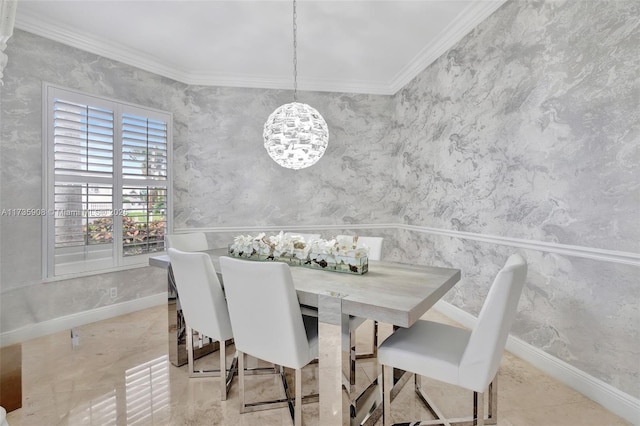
column 293, row 316
column 460, row 142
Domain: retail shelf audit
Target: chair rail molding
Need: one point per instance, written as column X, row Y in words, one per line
column 604, row 255
column 564, row 249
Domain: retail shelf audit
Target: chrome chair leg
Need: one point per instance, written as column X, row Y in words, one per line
column 297, row 416
column 241, row 380
column 223, row 367
column 390, row 390
column 225, row 378
column 427, row 401
column 492, row 413
column 293, row 403
column 478, row 409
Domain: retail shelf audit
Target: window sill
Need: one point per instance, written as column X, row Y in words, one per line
column 142, row 263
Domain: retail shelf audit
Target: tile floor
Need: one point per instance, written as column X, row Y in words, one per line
column 119, row 374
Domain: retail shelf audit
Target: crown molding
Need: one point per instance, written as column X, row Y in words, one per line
column 118, row 52
column 475, row 13
column 96, row 45
column 468, row 19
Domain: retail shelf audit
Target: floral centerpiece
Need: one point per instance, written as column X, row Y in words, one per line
column 341, row 255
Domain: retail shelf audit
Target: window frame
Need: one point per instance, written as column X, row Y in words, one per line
column 118, row 261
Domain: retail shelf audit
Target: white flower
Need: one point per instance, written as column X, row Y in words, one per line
column 361, row 251
column 302, row 252
column 257, row 244
column 323, row 246
column 330, row 251
column 274, row 239
column 283, row 246
column 265, row 249
column 243, row 244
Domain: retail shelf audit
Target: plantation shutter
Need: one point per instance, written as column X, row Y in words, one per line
column 83, row 146
column 83, row 139
column 144, row 176
column 144, row 148
column 107, row 182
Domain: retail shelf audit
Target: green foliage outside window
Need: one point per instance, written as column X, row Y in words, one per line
column 139, row 236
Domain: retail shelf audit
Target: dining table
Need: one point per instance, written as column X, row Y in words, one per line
column 393, row 293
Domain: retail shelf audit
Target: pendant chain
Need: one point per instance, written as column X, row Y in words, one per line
column 295, row 55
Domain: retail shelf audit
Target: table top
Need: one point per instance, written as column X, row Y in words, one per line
column 390, row 292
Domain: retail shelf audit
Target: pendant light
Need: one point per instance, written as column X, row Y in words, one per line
column 295, row 134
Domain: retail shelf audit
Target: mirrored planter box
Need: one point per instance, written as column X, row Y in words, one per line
column 351, row 265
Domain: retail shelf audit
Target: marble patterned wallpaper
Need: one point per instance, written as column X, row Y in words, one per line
column 24, row 299
column 216, row 187
column 528, row 128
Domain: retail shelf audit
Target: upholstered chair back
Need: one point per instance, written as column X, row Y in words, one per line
column 482, row 355
column 201, row 297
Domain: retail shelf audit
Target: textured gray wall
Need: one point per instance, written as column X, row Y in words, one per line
column 25, row 300
column 528, row 129
column 223, row 177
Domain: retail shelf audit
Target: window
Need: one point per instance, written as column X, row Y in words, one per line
column 107, row 182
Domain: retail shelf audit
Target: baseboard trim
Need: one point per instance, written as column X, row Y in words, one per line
column 81, row 318
column 614, row 400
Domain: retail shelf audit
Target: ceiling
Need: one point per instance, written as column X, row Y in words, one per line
column 363, row 46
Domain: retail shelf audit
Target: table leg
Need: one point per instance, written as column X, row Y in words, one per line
column 333, row 334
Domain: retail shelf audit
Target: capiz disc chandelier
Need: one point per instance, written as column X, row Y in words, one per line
column 295, row 134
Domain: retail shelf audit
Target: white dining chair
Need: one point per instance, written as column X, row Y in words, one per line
column 268, row 324
column 468, row 359
column 194, row 241
column 204, row 308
